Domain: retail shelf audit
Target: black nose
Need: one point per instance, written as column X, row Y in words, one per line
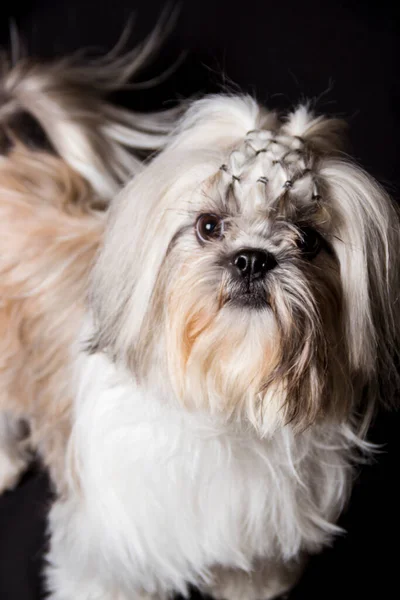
column 253, row 264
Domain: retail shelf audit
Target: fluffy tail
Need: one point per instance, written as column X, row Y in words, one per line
column 63, row 104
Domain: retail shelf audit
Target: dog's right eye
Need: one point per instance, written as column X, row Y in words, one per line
column 209, row 227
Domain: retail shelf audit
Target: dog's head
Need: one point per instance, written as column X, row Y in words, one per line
column 251, row 268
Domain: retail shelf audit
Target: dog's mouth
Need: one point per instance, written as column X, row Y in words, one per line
column 252, row 297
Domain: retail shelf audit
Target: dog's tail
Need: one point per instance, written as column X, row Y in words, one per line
column 63, row 105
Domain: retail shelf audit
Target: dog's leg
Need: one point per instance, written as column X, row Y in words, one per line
column 14, row 457
column 63, row 588
column 93, row 591
column 267, row 581
column 75, row 568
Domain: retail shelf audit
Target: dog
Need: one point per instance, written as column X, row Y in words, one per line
column 202, row 412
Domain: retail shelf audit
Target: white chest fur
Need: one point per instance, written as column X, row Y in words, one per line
column 166, row 494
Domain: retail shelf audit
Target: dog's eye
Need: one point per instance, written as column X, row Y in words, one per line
column 209, row 227
column 310, row 242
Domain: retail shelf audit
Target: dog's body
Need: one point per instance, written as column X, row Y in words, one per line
column 201, row 417
column 48, row 239
column 64, row 153
column 172, row 498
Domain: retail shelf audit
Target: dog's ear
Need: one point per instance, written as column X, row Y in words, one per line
column 153, row 207
column 366, row 239
column 134, row 246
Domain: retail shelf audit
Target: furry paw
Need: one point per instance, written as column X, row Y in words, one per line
column 272, row 581
column 11, row 469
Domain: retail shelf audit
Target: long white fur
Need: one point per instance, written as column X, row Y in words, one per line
column 166, row 494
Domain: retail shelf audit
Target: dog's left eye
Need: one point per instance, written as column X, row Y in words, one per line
column 209, row 227
column 310, row 242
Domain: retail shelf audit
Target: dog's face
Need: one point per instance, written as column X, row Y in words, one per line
column 246, row 278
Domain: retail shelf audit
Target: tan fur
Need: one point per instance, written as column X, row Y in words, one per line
column 201, row 351
column 48, row 238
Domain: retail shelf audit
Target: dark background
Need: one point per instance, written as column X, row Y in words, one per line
column 344, row 57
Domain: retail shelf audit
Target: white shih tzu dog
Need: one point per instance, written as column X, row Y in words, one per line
column 202, row 414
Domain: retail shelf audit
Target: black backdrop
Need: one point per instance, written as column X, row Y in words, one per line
column 344, row 56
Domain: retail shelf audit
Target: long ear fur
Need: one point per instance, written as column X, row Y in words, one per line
column 66, row 100
column 367, row 241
